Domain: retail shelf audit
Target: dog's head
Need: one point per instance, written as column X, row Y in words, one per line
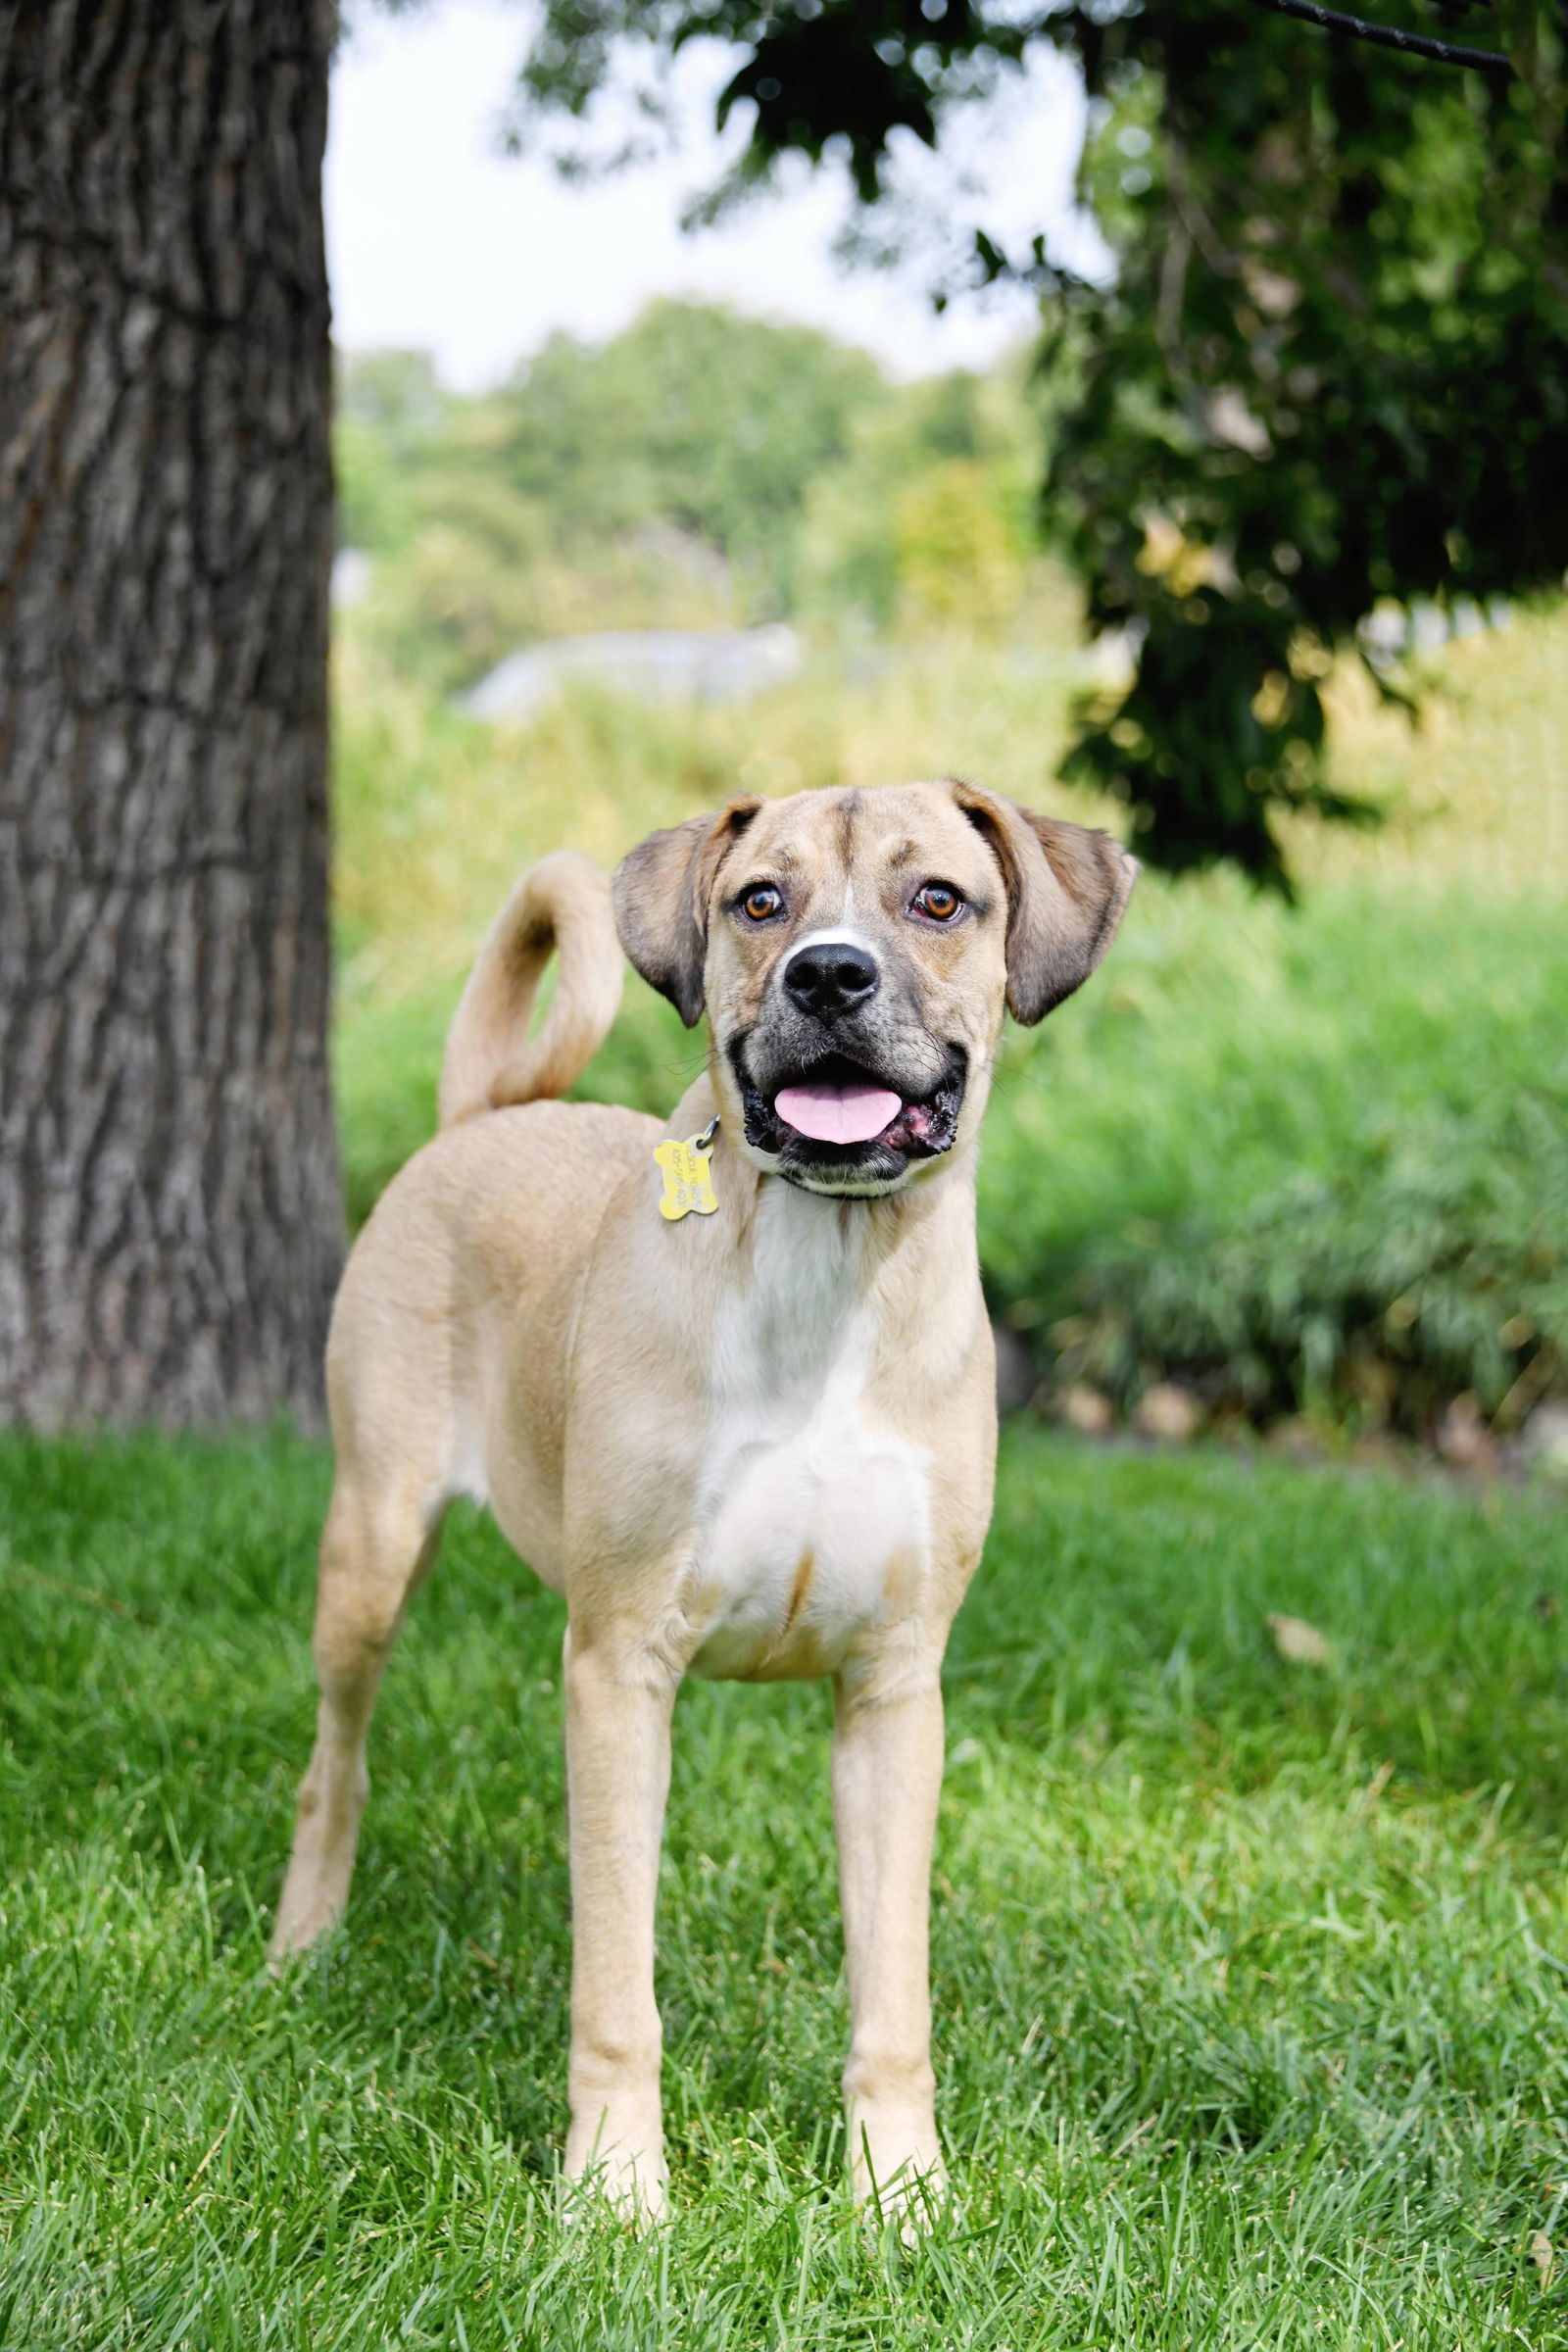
column 855, row 951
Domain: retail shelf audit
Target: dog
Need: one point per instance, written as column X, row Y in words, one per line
column 726, row 1382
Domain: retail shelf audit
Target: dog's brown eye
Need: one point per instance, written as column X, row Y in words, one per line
column 761, row 902
column 939, row 901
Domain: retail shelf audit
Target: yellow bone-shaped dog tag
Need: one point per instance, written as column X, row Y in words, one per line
column 688, row 1174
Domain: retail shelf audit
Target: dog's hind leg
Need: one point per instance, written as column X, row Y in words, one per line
column 376, row 1549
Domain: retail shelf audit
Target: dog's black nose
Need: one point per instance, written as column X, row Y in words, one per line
column 831, row 978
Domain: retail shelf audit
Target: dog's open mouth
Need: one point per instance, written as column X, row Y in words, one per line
column 835, row 1112
column 835, row 1108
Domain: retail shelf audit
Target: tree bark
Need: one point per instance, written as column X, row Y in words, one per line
column 171, row 1222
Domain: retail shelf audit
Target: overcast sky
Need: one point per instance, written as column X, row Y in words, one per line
column 439, row 241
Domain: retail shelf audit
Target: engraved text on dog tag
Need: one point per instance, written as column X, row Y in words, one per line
column 688, row 1175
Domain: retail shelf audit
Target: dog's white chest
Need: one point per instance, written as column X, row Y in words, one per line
column 814, row 1522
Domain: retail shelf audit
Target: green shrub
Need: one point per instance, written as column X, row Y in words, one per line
column 1303, row 1161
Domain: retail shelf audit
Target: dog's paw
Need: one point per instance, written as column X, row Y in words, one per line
column 623, row 2168
column 310, row 1905
column 898, row 2175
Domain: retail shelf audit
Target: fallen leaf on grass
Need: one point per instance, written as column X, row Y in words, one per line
column 1298, row 1642
column 86, row 1593
column 1543, row 2256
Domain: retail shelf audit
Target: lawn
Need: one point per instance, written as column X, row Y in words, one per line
column 1251, row 1979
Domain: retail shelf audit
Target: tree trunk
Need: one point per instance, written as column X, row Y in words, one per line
column 170, row 1211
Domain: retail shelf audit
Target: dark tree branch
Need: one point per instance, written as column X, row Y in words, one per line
column 1389, row 36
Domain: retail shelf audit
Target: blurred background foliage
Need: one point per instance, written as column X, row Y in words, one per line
column 1328, row 360
column 1310, row 424
column 701, row 469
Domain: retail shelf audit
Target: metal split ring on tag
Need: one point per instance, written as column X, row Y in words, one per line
column 687, row 1170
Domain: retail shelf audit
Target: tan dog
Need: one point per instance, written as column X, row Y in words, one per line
column 749, row 1439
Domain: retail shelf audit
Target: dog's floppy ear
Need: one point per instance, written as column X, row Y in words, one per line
column 1066, row 888
column 660, row 893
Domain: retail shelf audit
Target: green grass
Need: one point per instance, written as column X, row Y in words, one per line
column 1251, row 1980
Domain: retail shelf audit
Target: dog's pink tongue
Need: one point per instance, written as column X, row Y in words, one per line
column 837, row 1114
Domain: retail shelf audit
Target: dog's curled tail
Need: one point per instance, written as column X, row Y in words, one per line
column 560, row 906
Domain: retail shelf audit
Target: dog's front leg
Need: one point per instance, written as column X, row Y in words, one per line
column 887, row 1775
column 619, row 1701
